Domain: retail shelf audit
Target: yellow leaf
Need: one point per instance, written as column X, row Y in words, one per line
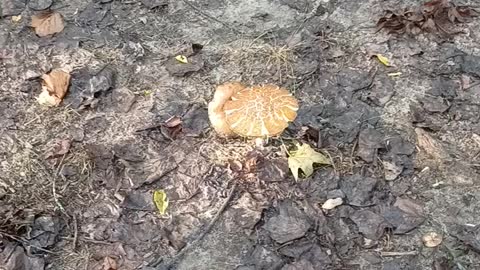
column 384, row 60
column 182, row 59
column 394, row 74
column 147, row 93
column 161, row 201
column 16, row 18
column 303, row 158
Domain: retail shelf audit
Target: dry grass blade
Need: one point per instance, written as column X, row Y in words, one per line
column 47, row 23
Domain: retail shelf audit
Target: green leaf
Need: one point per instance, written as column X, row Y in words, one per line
column 161, row 201
column 303, row 159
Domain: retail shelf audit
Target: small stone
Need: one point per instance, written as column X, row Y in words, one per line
column 332, row 203
column 40, row 4
column 77, row 134
column 122, row 99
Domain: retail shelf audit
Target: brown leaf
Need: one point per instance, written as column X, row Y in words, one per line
column 58, row 149
column 429, row 25
column 47, row 23
column 433, row 16
column 173, row 122
column 55, row 86
column 109, row 264
column 429, row 146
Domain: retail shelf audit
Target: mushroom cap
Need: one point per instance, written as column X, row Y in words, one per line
column 215, row 108
column 260, row 111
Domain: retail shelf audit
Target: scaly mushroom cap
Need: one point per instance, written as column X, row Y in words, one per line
column 260, row 111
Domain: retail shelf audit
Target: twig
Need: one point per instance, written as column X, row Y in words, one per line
column 394, row 253
column 10, row 253
column 75, row 232
column 210, row 17
column 84, row 239
column 472, row 85
column 168, row 265
column 25, row 242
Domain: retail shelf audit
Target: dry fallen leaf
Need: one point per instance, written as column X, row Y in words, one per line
column 432, row 239
column 58, row 148
column 47, row 23
column 429, row 146
column 332, row 203
column 109, row 264
column 54, row 87
column 303, row 158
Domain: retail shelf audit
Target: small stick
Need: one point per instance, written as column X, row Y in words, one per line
column 75, row 232
column 394, row 253
column 174, row 260
column 210, row 17
column 23, row 241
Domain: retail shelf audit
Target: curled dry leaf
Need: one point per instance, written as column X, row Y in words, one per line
column 54, row 87
column 47, row 23
column 432, row 239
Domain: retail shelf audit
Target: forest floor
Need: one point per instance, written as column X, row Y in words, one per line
column 77, row 180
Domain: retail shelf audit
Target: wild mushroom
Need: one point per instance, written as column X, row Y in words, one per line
column 257, row 111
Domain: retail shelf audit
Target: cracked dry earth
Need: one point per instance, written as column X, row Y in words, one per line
column 76, row 181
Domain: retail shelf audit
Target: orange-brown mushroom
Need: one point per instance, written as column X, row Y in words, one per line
column 257, row 111
column 215, row 108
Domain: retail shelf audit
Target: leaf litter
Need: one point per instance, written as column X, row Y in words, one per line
column 432, row 16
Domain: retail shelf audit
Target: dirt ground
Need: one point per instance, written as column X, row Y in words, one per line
column 76, row 181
